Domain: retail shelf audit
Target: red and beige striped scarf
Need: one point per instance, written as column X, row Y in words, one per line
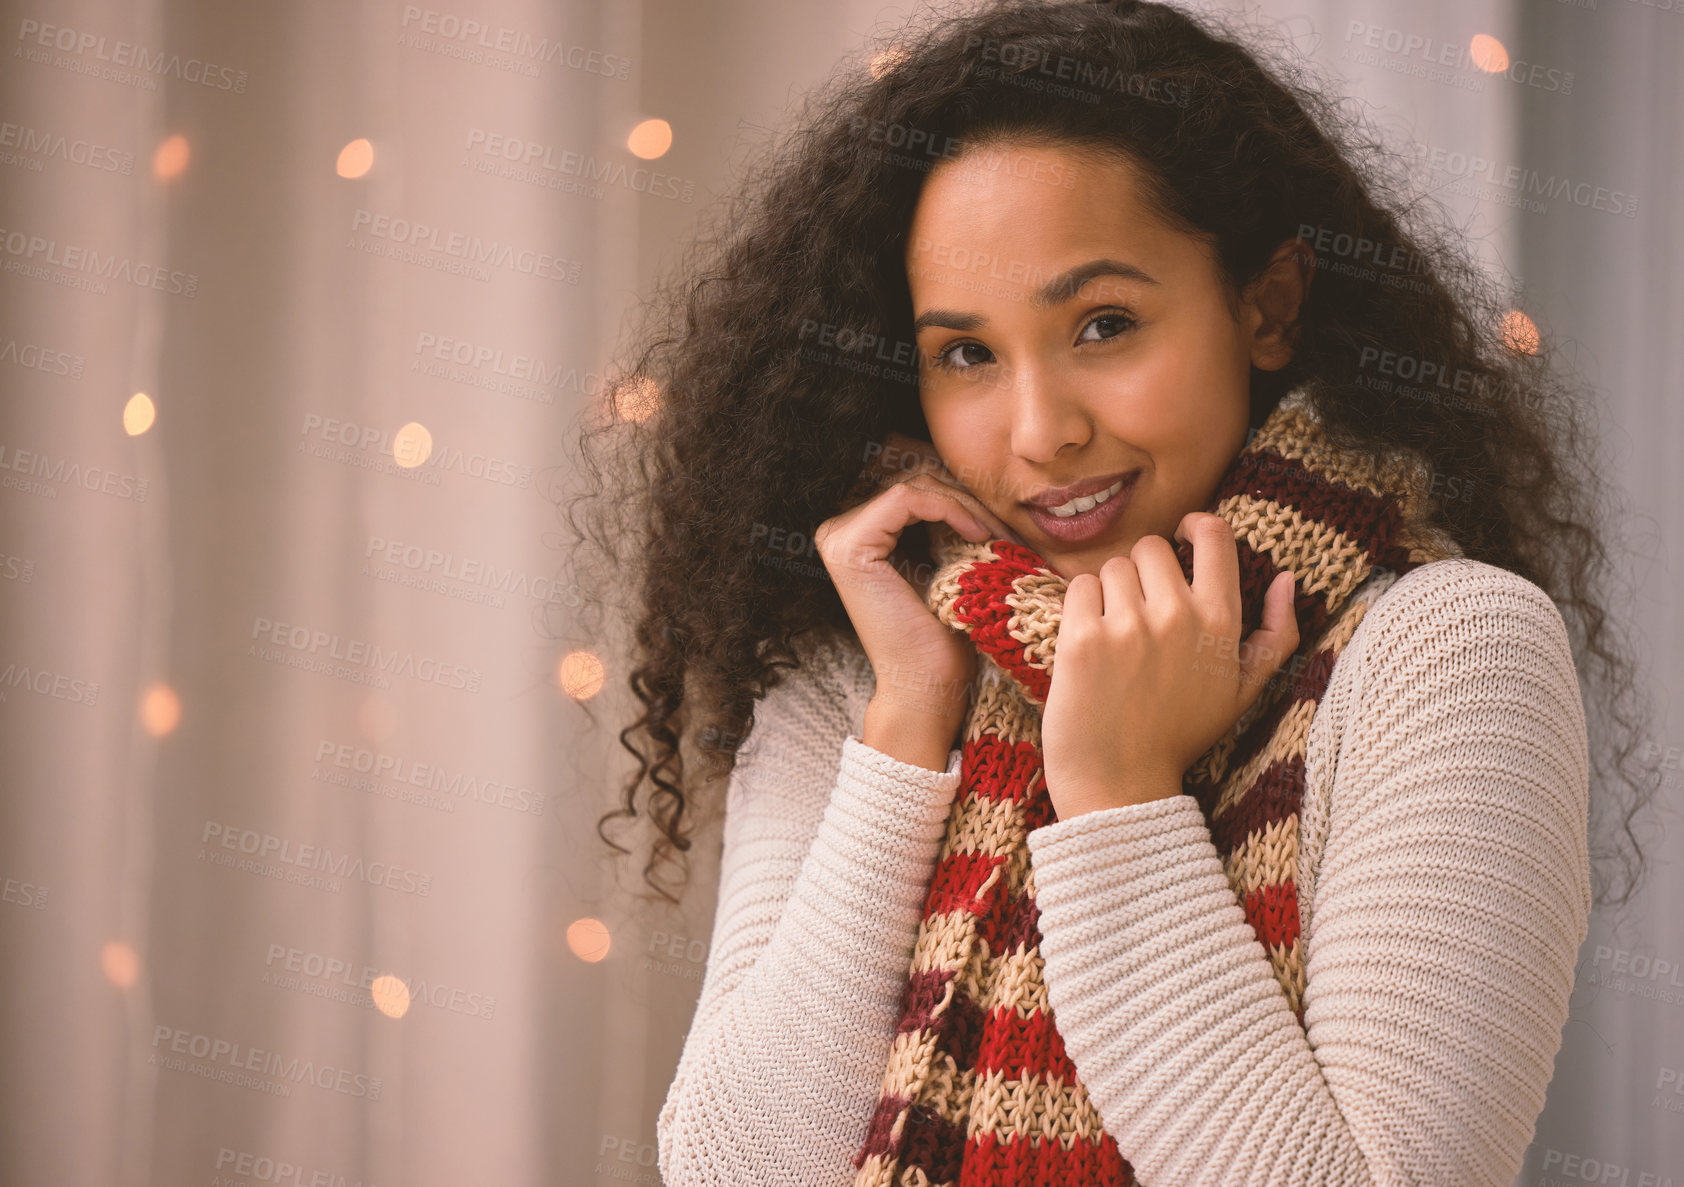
column 978, row 1089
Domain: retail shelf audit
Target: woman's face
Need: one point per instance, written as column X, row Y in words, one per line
column 1068, row 338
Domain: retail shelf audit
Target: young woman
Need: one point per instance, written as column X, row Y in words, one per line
column 1134, row 583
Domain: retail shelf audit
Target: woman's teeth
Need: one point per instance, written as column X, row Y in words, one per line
column 1086, row 502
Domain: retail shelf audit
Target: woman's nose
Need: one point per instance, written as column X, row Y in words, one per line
column 1047, row 415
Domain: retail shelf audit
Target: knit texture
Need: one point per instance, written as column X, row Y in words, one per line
column 979, row 1088
column 1442, row 893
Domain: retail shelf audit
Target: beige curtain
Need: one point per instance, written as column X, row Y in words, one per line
column 301, row 738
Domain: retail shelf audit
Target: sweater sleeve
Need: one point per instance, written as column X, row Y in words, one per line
column 1450, row 903
column 829, row 846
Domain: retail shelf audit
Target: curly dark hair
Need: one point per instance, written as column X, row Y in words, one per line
column 775, row 356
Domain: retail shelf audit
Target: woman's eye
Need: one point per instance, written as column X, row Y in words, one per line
column 955, row 358
column 945, row 359
column 1121, row 323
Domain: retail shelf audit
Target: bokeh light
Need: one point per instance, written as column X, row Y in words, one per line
column 139, row 414
column 650, row 139
column 1488, row 53
column 637, row 399
column 412, row 445
column 120, row 963
column 160, row 710
column 355, row 159
column 170, row 158
column 588, row 939
column 580, row 675
column 391, row 995
column 886, row 60
column 377, row 717
column 1518, row 332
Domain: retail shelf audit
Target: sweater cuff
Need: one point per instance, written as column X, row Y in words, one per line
column 1159, row 854
column 888, row 796
column 1144, row 828
column 854, row 748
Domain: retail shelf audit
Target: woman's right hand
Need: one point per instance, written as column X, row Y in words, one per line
column 924, row 667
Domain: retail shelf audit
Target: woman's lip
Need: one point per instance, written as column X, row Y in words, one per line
column 1059, row 496
column 1085, row 525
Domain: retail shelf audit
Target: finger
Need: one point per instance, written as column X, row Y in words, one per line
column 1160, row 578
column 1267, row 647
column 1120, row 579
column 902, row 450
column 936, row 503
column 872, row 532
column 922, row 500
column 1084, row 600
column 1216, row 563
column 998, row 529
column 858, row 551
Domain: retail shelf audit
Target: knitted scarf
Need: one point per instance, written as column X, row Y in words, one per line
column 978, row 1089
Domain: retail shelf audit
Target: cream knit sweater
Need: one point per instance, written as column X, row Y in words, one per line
column 1443, row 890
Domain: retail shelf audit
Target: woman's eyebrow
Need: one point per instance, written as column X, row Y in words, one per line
column 1056, row 291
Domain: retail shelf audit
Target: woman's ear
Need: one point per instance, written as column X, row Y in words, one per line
column 1275, row 301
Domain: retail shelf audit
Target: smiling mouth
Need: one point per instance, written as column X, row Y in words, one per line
column 1083, row 503
column 1085, row 517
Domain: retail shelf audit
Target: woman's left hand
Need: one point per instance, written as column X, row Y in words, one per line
column 1150, row 672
